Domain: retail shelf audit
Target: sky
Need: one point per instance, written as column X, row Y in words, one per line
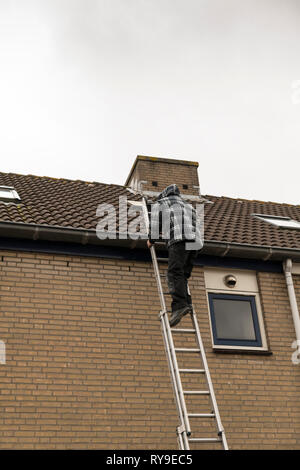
column 86, row 85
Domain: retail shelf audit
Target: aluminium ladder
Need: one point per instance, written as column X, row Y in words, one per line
column 184, row 429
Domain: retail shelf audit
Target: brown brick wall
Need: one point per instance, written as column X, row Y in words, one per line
column 167, row 172
column 86, row 366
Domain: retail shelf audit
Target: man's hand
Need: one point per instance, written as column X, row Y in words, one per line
column 149, row 244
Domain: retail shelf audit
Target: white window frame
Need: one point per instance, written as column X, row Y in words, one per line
column 12, row 194
column 278, row 221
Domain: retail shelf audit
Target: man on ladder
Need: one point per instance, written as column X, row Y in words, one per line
column 177, row 221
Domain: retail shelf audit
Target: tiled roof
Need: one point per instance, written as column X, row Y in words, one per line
column 67, row 203
column 56, row 201
column 229, row 220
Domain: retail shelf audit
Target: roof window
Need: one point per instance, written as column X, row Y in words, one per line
column 9, row 194
column 281, row 222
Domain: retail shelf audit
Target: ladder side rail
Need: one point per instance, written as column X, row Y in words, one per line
column 177, row 375
column 154, row 261
column 180, row 443
column 158, row 280
column 209, row 382
column 182, row 438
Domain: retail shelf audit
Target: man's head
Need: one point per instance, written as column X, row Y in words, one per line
column 171, row 190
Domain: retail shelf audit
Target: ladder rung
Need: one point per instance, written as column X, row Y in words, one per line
column 161, row 259
column 196, row 392
column 186, row 350
column 201, row 415
column 192, row 371
column 183, row 330
column 205, row 439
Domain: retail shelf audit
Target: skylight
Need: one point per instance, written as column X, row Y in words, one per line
column 8, row 194
column 282, row 222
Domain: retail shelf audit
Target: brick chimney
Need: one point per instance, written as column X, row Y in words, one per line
column 160, row 172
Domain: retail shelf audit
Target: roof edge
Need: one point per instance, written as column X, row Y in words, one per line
column 89, row 236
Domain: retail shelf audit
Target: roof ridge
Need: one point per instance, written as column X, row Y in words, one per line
column 60, row 179
column 251, row 200
column 52, row 178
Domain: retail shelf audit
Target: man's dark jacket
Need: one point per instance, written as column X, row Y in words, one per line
column 174, row 219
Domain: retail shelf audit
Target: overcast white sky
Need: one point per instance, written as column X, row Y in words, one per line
column 86, row 85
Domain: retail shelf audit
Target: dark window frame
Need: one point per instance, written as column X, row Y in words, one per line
column 257, row 343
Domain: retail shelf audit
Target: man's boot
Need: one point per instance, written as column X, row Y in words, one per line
column 178, row 314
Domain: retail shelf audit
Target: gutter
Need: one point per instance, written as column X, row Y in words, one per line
column 287, row 267
column 89, row 236
column 56, row 233
column 243, row 250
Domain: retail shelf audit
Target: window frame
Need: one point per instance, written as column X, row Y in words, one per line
column 275, row 221
column 261, row 322
column 12, row 194
column 257, row 343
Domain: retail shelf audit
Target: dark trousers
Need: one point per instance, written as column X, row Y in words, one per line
column 179, row 270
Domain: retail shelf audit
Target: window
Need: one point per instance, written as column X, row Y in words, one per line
column 8, row 194
column 282, row 222
column 235, row 312
column 234, row 320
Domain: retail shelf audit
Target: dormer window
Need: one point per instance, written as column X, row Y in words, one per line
column 281, row 222
column 9, row 194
